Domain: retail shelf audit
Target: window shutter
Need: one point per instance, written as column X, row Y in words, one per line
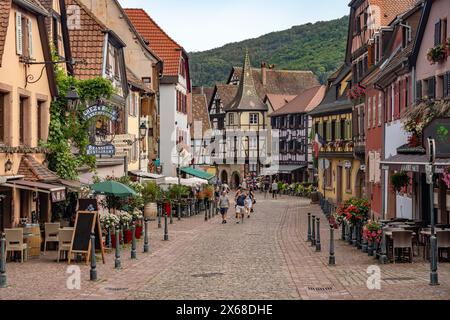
column 432, row 87
column 369, row 112
column 329, row 131
column 19, row 34
column 446, row 85
column 437, row 33
column 321, row 129
column 419, row 90
column 30, row 38
column 338, row 129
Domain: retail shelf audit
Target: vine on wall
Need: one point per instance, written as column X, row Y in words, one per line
column 68, row 132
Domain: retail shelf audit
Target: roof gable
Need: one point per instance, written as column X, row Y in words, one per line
column 164, row 46
column 200, row 113
column 87, row 43
column 304, row 102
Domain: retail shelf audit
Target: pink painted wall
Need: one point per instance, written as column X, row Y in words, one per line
column 439, row 10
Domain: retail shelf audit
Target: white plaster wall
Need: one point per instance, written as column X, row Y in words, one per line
column 395, row 137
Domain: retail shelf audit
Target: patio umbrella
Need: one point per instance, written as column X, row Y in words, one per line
column 113, row 188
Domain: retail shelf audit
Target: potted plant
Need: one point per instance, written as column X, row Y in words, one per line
column 446, row 177
column 437, row 54
column 136, row 217
column 354, row 211
column 151, row 193
column 125, row 221
column 372, row 232
column 399, row 181
column 109, row 222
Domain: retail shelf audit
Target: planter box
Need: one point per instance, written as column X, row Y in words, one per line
column 113, row 239
column 138, row 232
column 128, row 236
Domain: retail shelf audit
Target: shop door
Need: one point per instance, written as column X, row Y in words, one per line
column 5, row 210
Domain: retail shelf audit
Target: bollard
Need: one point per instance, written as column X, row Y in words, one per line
column 171, row 213
column 122, row 241
column 313, row 233
column 3, row 282
column 109, row 238
column 350, row 235
column 179, row 211
column 318, row 245
column 93, row 272
column 364, row 245
column 434, row 258
column 142, row 229
column 370, row 249
column 166, row 229
column 206, row 213
column 309, row 227
column 383, row 256
column 133, row 243
column 159, row 211
column 342, row 231
column 117, row 263
column 146, row 243
column 332, row 258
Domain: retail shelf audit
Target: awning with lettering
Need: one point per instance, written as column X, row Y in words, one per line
column 58, row 193
column 413, row 163
column 273, row 170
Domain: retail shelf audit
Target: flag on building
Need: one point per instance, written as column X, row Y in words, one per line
column 317, row 144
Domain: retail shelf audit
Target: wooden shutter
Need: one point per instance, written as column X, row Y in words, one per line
column 437, row 33
column 321, row 130
column 30, row 38
column 2, row 117
column 447, row 84
column 19, row 34
column 419, row 89
column 432, row 87
column 338, row 129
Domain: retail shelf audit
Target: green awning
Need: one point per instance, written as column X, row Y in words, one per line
column 198, row 173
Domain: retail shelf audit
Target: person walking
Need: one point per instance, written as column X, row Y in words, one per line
column 248, row 203
column 266, row 187
column 274, row 189
column 224, row 204
column 240, row 205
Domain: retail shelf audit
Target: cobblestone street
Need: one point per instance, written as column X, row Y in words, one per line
column 267, row 257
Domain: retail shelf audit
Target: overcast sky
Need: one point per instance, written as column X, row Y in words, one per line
column 206, row 24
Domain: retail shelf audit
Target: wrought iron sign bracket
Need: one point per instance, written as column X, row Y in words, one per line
column 31, row 79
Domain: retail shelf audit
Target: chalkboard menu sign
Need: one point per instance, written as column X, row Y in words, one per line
column 439, row 130
column 86, row 222
column 87, row 205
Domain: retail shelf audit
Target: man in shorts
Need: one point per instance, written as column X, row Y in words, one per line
column 240, row 205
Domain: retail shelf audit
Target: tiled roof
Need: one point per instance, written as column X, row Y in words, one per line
column 164, row 46
column 134, row 80
column 285, row 82
column 304, row 102
column 279, row 100
column 5, row 6
column 34, row 171
column 390, row 8
column 87, row 43
column 226, row 93
column 200, row 113
column 207, row 91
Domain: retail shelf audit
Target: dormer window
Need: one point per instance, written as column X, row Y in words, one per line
column 406, row 36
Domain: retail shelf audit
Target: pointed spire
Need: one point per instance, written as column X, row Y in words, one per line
column 247, row 98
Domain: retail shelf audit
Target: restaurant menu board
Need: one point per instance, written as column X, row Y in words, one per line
column 86, row 222
column 87, row 205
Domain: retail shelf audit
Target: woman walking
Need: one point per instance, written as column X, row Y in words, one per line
column 248, row 203
column 224, row 204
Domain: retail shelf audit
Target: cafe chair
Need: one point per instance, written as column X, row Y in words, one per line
column 65, row 241
column 51, row 234
column 14, row 242
column 402, row 240
column 443, row 242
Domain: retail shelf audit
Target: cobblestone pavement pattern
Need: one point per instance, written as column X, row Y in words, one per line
column 267, row 257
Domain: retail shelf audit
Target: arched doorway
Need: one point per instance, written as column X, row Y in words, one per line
column 236, row 180
column 224, row 177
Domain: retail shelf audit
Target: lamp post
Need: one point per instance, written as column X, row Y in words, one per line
column 331, row 258
column 146, row 242
column 3, row 282
column 93, row 271
column 117, row 262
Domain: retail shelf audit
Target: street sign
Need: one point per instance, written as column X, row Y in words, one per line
column 100, row 110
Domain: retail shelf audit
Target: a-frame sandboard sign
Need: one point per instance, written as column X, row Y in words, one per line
column 86, row 222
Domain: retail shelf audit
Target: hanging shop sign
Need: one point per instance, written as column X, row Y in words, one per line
column 439, row 130
column 102, row 129
column 104, row 150
column 100, row 110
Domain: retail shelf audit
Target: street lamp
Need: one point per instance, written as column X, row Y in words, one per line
column 73, row 99
column 142, row 130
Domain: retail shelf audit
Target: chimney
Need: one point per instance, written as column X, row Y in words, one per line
column 264, row 73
